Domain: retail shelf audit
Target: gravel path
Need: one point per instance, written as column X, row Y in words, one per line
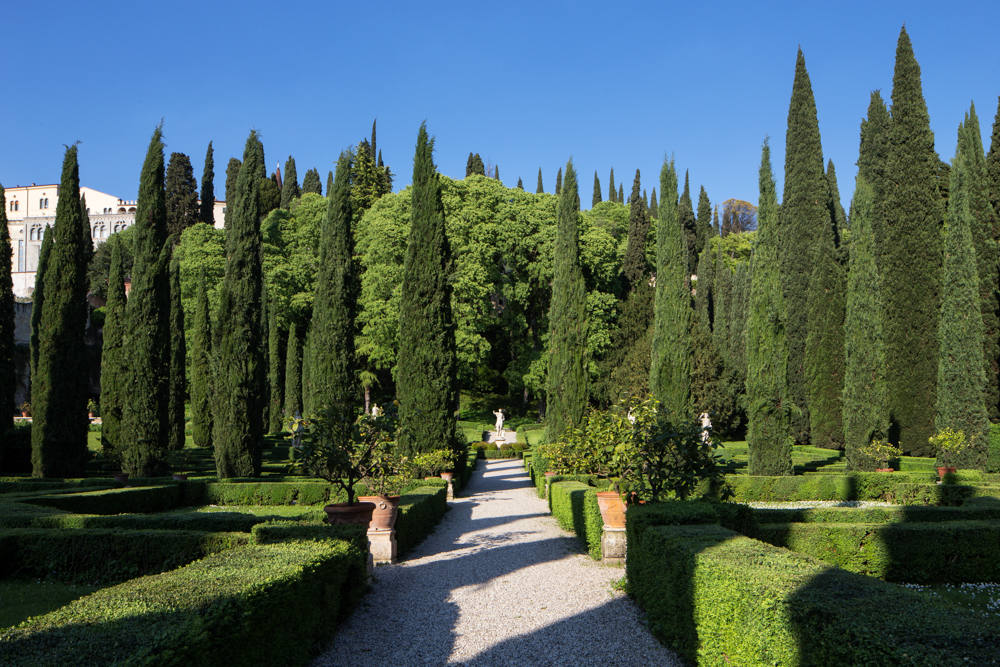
column 497, row 583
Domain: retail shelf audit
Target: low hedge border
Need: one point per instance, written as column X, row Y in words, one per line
column 420, row 511
column 897, row 487
column 969, row 511
column 920, row 553
column 263, row 604
column 720, row 598
column 95, row 556
column 119, row 501
column 574, row 505
column 202, row 521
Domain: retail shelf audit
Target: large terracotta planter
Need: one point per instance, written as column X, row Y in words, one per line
column 447, row 476
column 944, row 470
column 883, row 469
column 612, row 509
column 386, row 508
column 339, row 514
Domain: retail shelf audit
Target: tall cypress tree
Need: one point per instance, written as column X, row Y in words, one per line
column 737, row 314
column 113, row 362
column 559, row 181
column 654, row 208
column 311, row 183
column 993, row 167
column 837, row 213
column 181, row 195
column 290, row 185
column 704, row 222
column 239, row 426
column 178, row 361
column 232, row 171
column 670, row 370
column 539, row 190
column 872, row 159
column 275, row 371
column 206, row 211
column 293, row 373
column 685, row 211
column 865, row 411
column 612, row 193
column 332, row 366
column 722, row 295
column 715, row 221
column 805, row 216
column 520, row 185
column 705, row 290
column 7, row 376
column 961, row 379
column 568, row 383
column 769, row 432
column 201, row 368
column 38, row 301
column 59, row 395
column 912, row 258
column 621, row 194
column 596, row 199
column 426, row 380
column 145, row 410
column 634, row 265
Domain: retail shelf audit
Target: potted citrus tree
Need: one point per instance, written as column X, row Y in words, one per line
column 948, row 444
column 388, row 470
column 881, row 451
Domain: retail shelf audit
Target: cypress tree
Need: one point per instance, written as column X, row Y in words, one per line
column 329, row 181
column 181, row 195
column 145, row 411
column 59, row 394
column 670, row 368
column 520, row 185
column 621, row 194
column 206, row 211
column 872, row 159
column 685, row 211
column 912, row 259
column 715, row 221
column 88, row 238
column 38, row 301
column 496, row 172
column 275, row 371
column 769, row 432
column 239, row 427
column 426, row 378
column 654, row 208
column 993, row 168
column 265, row 322
column 293, row 373
column 704, row 222
column 539, row 190
column 824, row 352
column 645, row 199
column 612, row 193
column 596, row 199
column 705, row 291
column 201, row 368
column 469, row 163
column 232, row 171
column 331, row 360
column 960, row 397
column 268, row 195
column 477, row 165
column 373, row 140
column 290, row 185
column 736, row 313
column 984, row 225
column 178, row 360
column 837, row 214
column 311, row 182
column 568, row 382
column 559, row 182
column 865, row 411
column 805, row 216
column 634, row 265
column 722, row 295
column 380, row 164
column 7, row 375
column 113, row 363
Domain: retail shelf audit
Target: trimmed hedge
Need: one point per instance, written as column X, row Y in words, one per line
column 993, row 451
column 94, row 556
column 272, row 604
column 204, row 521
column 119, row 501
column 419, row 511
column 896, row 487
column 921, row 553
column 720, row 598
column 574, row 505
column 971, row 511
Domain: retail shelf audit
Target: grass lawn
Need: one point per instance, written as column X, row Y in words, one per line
column 22, row 599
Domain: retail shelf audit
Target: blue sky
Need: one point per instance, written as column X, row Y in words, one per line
column 524, row 84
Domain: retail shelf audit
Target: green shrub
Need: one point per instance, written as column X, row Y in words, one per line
column 273, row 493
column 896, row 487
column 993, row 449
column 117, row 501
column 419, row 511
column 574, row 505
column 273, row 604
column 96, row 556
column 214, row 522
column 897, row 514
column 274, row 532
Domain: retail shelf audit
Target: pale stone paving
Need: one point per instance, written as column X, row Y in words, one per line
column 497, row 583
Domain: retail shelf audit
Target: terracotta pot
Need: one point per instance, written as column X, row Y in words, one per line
column 386, row 508
column 121, row 477
column 90, row 415
column 612, row 509
column 180, row 476
column 447, row 476
column 24, row 414
column 944, row 470
column 884, row 469
column 339, row 514
column 550, row 474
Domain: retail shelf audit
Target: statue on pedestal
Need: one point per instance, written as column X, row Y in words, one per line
column 498, row 427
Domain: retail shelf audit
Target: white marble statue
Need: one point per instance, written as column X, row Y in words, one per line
column 498, row 427
column 376, row 410
column 631, row 417
column 706, row 427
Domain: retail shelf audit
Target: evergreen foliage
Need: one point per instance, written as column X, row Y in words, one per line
column 232, row 171
column 496, row 172
column 426, row 372
column 621, row 194
column 145, row 410
column 88, row 238
column 201, row 367
column 206, row 209
column 685, row 211
column 240, row 384
column 705, row 290
column 178, row 362
column 275, row 372
column 568, row 381
column 539, row 190
column 872, row 159
column 559, row 182
column 474, row 166
column 293, row 373
column 712, row 390
column 59, row 392
column 704, row 222
column 654, row 207
column 520, row 185
column 715, row 221
column 269, row 195
column 181, row 195
column 737, row 313
column 722, row 295
column 290, row 184
column 38, row 301
column 596, row 199
column 332, row 365
column 634, row 265
column 912, row 259
column 367, row 182
column 865, row 410
column 993, row 166
column 612, row 193
column 768, row 407
column 837, row 214
column 7, row 375
column 311, row 183
column 805, row 217
column 113, row 362
column 961, row 379
column 670, row 367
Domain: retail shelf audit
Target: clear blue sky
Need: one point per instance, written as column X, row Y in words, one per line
column 525, row 84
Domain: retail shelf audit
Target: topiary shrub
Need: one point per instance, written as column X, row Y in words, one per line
column 993, row 455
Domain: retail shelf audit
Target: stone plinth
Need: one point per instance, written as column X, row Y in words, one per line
column 613, row 544
column 382, row 546
column 451, row 491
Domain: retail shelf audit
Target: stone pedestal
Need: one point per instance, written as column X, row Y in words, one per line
column 451, row 491
column 613, row 545
column 382, row 546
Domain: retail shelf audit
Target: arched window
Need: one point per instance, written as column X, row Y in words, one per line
column 121, row 210
column 17, row 205
column 131, row 209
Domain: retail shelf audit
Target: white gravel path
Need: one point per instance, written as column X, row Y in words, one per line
column 497, row 583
